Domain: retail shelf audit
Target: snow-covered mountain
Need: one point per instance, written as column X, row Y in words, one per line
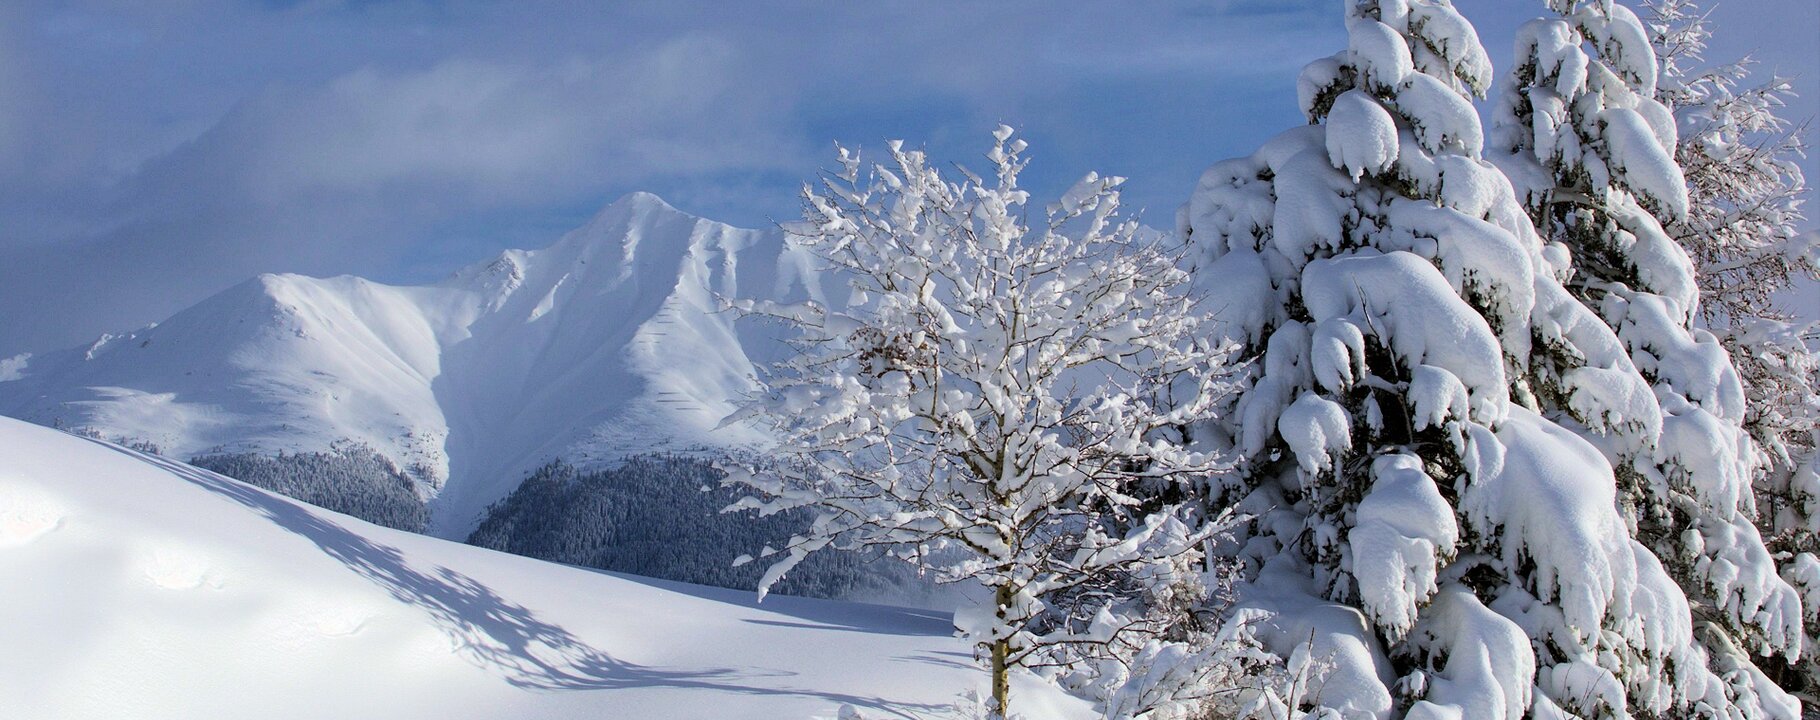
column 606, row 343
column 139, row 587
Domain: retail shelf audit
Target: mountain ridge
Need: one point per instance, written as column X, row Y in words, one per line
column 606, row 343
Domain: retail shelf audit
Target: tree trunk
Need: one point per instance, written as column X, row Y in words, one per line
column 1001, row 656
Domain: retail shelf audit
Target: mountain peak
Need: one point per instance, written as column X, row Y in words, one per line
column 641, row 200
column 636, row 208
column 615, row 233
column 607, row 343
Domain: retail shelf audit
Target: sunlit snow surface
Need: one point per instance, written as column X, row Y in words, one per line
column 136, row 587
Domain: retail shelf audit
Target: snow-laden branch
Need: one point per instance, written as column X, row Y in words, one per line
column 991, row 395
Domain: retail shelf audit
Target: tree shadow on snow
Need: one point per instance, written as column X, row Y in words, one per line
column 811, row 613
column 489, row 630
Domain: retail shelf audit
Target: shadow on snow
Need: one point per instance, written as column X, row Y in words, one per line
column 811, row 613
column 489, row 630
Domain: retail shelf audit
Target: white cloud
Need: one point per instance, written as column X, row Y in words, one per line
column 490, row 132
column 13, row 368
column 163, row 151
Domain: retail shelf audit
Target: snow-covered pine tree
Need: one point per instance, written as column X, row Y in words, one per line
column 988, row 402
column 1745, row 187
column 1432, row 537
column 1590, row 151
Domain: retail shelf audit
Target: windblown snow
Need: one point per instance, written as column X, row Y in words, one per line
column 138, row 587
column 608, row 343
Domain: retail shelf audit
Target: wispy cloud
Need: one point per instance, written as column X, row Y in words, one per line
column 151, row 153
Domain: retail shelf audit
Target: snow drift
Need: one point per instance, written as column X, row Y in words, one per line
column 140, row 587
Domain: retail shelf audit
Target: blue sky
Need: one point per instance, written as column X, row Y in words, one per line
column 154, row 153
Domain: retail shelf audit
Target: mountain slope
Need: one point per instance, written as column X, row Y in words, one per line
column 607, row 343
column 139, row 587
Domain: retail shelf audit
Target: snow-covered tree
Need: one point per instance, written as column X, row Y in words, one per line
column 350, row 478
column 1741, row 159
column 1592, row 154
column 1437, row 526
column 1745, row 188
column 991, row 400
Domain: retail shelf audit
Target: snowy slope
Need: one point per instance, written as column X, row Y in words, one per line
column 137, row 587
column 606, row 343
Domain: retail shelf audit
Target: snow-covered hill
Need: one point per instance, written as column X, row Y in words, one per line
column 137, row 587
column 608, row 342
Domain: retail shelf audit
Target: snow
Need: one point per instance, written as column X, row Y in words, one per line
column 1707, row 455
column 1555, row 505
column 1479, row 259
column 1804, row 572
column 1623, row 45
column 1381, row 221
column 1239, row 297
column 1418, row 314
column 1488, row 546
column 607, row 343
column 1337, row 352
column 1443, row 121
column 1404, row 531
column 1604, row 390
column 1557, row 53
column 1311, row 205
column 1622, row 627
column 981, row 407
column 1435, row 397
column 1378, row 53
column 1450, row 45
column 1662, row 265
column 138, row 587
column 1601, row 140
column 1746, row 584
column 1328, row 645
column 1315, row 79
column 1490, row 667
column 1642, row 163
column 1361, row 135
column 257, row 363
column 1317, row 431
